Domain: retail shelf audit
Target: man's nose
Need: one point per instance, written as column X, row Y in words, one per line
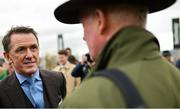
column 29, row 53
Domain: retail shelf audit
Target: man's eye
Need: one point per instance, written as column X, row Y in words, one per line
column 34, row 48
column 20, row 49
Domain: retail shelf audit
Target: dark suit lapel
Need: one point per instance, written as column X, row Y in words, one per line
column 14, row 92
column 50, row 89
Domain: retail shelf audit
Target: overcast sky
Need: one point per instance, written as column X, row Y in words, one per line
column 39, row 15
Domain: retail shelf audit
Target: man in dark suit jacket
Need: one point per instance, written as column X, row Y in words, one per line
column 22, row 52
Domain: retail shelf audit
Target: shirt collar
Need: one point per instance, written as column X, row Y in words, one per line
column 22, row 78
column 65, row 65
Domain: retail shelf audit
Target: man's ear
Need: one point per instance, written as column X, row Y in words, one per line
column 101, row 20
column 6, row 55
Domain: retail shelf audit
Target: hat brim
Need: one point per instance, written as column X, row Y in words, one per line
column 69, row 12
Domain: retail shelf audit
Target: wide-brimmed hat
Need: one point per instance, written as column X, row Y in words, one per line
column 69, row 12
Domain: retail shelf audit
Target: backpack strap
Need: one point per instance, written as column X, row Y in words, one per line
column 131, row 95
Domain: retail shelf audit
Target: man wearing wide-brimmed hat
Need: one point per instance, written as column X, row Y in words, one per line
column 117, row 39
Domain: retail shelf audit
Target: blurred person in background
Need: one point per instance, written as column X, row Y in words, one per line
column 167, row 56
column 66, row 68
column 28, row 86
column 71, row 58
column 178, row 63
column 7, row 70
column 117, row 40
column 3, row 73
column 83, row 67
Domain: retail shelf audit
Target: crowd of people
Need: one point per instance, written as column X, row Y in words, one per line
column 119, row 44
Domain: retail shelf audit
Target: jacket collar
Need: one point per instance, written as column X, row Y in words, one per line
column 131, row 44
column 13, row 90
column 49, row 87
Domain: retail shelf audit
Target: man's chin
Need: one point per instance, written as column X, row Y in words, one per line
column 29, row 72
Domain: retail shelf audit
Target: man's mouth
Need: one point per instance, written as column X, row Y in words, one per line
column 29, row 62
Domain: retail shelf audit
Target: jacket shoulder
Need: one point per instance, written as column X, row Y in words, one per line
column 57, row 78
column 51, row 73
column 101, row 92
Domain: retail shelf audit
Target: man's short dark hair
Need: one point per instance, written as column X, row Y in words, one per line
column 63, row 52
column 166, row 53
column 16, row 30
column 68, row 49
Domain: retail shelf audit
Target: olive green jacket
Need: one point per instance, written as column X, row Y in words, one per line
column 134, row 51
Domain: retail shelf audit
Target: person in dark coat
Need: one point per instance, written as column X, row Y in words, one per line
column 83, row 68
column 28, row 86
